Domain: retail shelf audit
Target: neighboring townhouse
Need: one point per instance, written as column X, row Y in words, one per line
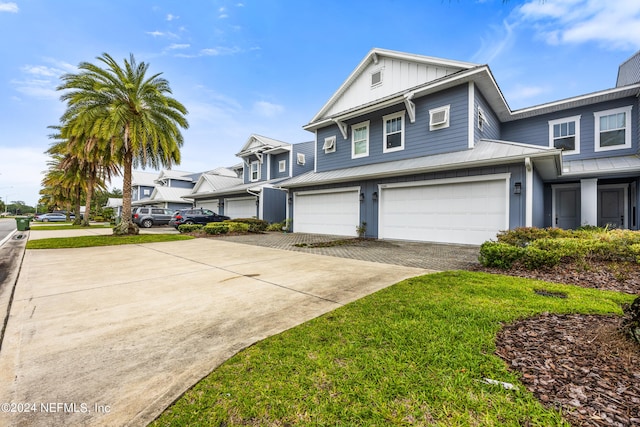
column 265, row 163
column 165, row 190
column 427, row 149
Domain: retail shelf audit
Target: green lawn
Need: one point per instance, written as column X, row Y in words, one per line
column 411, row 354
column 108, row 240
column 65, row 226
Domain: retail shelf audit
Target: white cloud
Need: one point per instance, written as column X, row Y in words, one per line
column 9, row 7
column 40, row 81
column 175, row 46
column 162, row 34
column 501, row 39
column 21, row 169
column 613, row 24
column 220, row 50
column 522, row 93
column 171, row 17
column 267, row 109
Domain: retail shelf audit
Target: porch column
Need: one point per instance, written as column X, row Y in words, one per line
column 589, row 201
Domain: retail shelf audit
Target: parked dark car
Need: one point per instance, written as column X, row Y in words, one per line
column 195, row 216
column 148, row 217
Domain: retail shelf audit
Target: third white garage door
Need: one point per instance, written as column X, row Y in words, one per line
column 327, row 212
column 244, row 207
column 447, row 211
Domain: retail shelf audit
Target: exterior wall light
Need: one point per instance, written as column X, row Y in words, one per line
column 362, row 197
column 517, row 189
column 374, row 196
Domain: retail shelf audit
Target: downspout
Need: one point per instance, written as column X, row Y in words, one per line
column 528, row 216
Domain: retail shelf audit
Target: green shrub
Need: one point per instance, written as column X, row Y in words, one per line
column 216, row 228
column 277, row 226
column 237, row 227
column 188, row 228
column 500, row 255
column 255, row 225
column 534, row 258
column 522, row 236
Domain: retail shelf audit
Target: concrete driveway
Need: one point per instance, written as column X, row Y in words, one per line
column 113, row 335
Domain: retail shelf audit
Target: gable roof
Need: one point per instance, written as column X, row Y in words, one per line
column 209, row 183
column 258, row 144
column 146, row 179
column 399, row 72
column 169, row 194
column 173, row 174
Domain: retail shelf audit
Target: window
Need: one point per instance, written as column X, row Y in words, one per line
column 254, row 171
column 146, row 192
column 376, row 78
column 329, row 145
column 613, row 129
column 360, row 140
column 565, row 134
column 282, row 166
column 300, row 159
column 481, row 119
column 393, row 138
column 439, row 118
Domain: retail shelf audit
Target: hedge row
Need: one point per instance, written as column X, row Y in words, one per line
column 535, row 248
column 238, row 225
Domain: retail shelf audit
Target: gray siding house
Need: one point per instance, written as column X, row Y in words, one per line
column 427, row 149
column 253, row 192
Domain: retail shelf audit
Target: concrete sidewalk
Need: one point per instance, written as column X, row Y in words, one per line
column 113, row 335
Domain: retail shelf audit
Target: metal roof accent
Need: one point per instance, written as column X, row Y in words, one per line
column 255, row 187
column 486, row 152
column 146, row 179
column 619, row 165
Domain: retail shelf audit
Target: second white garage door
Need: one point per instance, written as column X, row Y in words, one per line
column 327, row 212
column 209, row 204
column 240, row 208
column 447, row 211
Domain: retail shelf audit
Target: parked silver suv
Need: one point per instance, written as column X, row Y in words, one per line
column 147, row 217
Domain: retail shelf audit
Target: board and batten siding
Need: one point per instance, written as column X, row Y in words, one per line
column 419, row 141
column 535, row 130
column 397, row 76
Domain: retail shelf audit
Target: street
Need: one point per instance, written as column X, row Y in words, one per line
column 7, row 225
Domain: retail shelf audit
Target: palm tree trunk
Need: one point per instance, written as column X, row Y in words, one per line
column 76, row 220
column 126, row 225
column 87, row 205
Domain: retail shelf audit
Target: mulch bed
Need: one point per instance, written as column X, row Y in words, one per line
column 582, row 365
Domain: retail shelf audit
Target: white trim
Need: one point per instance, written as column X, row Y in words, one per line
column 282, row 166
column 353, row 128
column 472, row 103
column 528, row 193
column 576, row 120
column 300, row 159
column 326, row 191
column 257, row 163
column 315, row 157
column 627, row 134
column 329, row 145
column 439, row 124
column 400, row 115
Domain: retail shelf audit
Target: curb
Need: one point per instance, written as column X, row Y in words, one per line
column 16, row 248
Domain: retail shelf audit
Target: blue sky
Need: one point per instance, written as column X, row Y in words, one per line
column 268, row 66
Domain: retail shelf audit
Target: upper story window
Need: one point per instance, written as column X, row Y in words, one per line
column 393, row 138
column 282, row 166
column 254, row 171
column 360, row 140
column 613, row 129
column 481, row 119
column 376, row 78
column 300, row 159
column 565, row 134
column 329, row 145
column 439, row 118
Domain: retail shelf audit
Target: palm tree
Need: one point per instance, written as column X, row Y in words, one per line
column 62, row 185
column 131, row 111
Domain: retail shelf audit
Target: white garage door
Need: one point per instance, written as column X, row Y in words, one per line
column 448, row 211
column 209, row 204
column 240, row 208
column 327, row 212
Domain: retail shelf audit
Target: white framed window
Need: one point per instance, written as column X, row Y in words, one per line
column 360, row 140
column 254, row 171
column 613, row 129
column 300, row 159
column 393, row 132
column 565, row 134
column 329, row 145
column 282, row 166
column 439, row 117
column 481, row 119
column 376, row 78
